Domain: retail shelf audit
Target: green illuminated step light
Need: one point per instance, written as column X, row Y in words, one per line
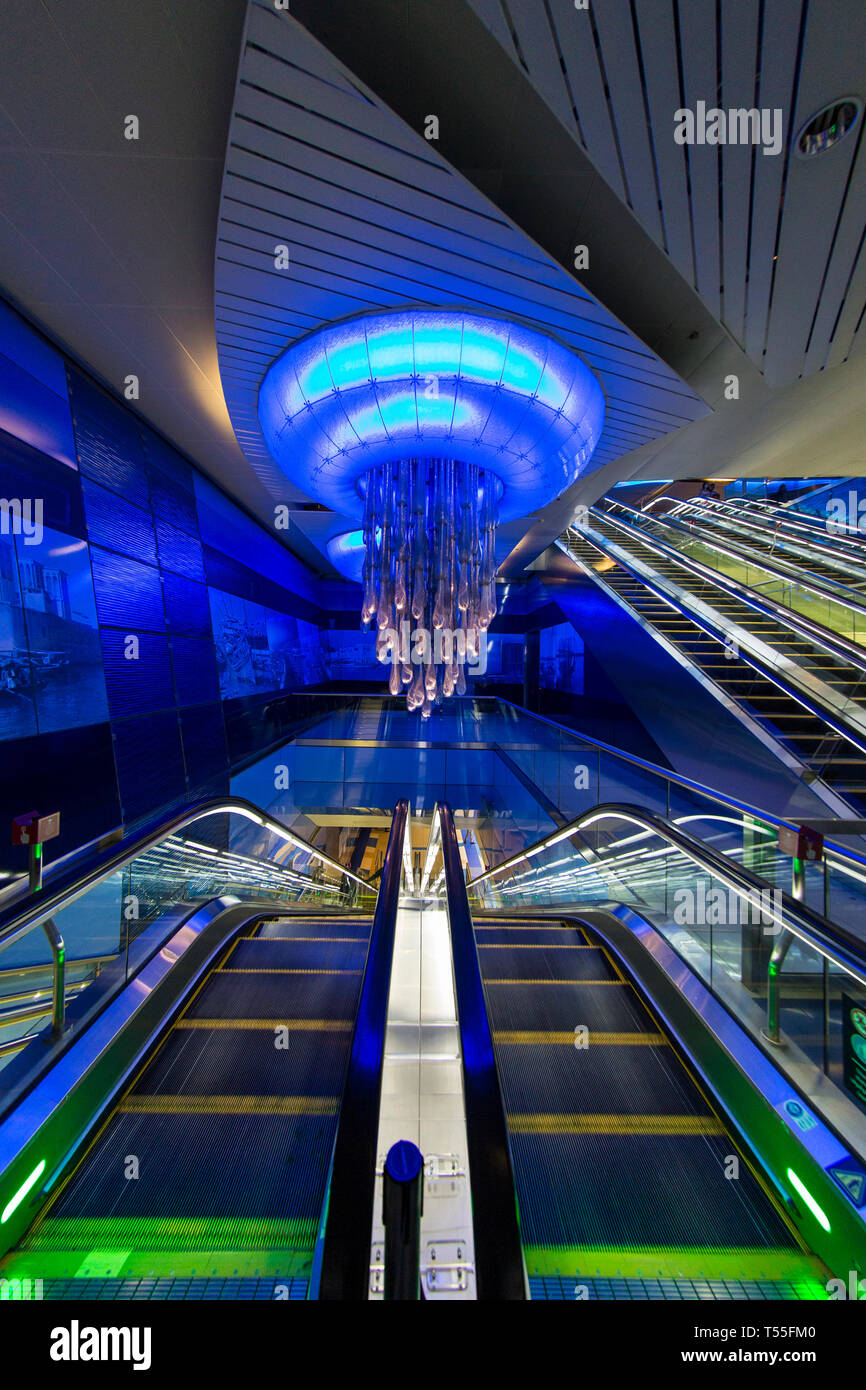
column 22, row 1192
column 800, row 1187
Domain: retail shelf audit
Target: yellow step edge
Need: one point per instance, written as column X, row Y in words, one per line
column 661, row 1125
column 228, row 1105
column 276, row 970
column 302, row 1025
column 606, row 1039
column 508, row 981
column 530, row 946
column 674, row 1262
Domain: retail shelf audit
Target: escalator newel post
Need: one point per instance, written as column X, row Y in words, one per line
column 402, row 1205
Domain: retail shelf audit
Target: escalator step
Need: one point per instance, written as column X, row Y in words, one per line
column 297, row 954
column 248, row 1062
column 593, row 1193
column 558, row 962
column 231, row 997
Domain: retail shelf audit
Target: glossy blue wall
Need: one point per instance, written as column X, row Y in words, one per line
column 137, row 601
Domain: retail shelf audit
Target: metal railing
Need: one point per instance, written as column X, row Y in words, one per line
column 828, row 939
column 740, row 952
column 41, row 909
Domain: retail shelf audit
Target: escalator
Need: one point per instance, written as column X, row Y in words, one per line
column 825, row 602
column 622, row 1164
column 220, row 1141
column 810, row 552
column 642, row 1164
column 208, row 1179
column 797, row 723
column 223, row 1163
column 819, row 655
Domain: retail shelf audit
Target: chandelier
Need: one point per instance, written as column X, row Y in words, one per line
column 429, row 572
column 430, row 426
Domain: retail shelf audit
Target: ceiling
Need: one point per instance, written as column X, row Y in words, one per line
column 374, row 218
column 740, row 226
column 109, row 244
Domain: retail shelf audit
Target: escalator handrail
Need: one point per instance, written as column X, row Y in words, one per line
column 812, row 534
column 771, row 564
column 676, row 778
column 23, row 916
column 345, row 1268
column 499, row 1271
column 678, row 598
column 840, row 947
column 835, row 644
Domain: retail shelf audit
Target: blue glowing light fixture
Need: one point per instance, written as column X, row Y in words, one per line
column 430, row 425
column 431, row 383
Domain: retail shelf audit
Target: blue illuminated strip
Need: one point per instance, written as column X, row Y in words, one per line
column 428, row 384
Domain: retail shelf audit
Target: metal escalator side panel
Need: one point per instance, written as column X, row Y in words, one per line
column 345, row 1256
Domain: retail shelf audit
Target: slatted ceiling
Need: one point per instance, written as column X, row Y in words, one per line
column 790, row 315
column 842, row 285
column 616, row 34
column 658, row 54
column 834, row 181
column 373, row 218
column 852, row 317
column 257, row 100
column 739, row 63
column 538, row 47
column 700, row 81
column 806, row 241
column 586, row 81
column 779, row 44
column 312, row 226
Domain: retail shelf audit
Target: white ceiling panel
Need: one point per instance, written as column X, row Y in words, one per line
column 374, row 218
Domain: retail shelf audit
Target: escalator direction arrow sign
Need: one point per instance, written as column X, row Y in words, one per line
column 852, row 1179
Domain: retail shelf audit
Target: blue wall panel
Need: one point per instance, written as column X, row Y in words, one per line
column 123, row 558
column 186, row 606
column 138, row 683
column 172, row 502
column 204, row 746
column 179, row 552
column 108, row 441
column 163, row 459
column 128, row 594
column 150, row 768
column 118, row 525
column 34, row 397
column 195, row 672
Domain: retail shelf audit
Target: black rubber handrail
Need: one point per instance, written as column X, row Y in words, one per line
column 20, row 917
column 345, row 1268
column 836, row 943
column 499, row 1270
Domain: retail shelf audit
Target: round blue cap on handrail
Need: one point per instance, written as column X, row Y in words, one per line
column 404, row 1162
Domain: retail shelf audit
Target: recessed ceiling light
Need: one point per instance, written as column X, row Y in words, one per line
column 828, row 126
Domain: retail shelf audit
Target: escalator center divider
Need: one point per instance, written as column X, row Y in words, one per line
column 499, row 1268
column 345, row 1265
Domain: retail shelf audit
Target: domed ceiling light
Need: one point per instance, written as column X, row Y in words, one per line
column 430, row 426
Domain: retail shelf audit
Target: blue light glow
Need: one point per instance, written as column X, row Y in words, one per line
column 431, row 383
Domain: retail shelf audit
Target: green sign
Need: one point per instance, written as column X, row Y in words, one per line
column 854, row 1047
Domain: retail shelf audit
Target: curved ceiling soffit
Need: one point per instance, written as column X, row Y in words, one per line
column 332, row 207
